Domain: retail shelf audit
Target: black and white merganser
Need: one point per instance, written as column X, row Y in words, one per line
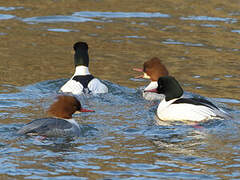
column 176, row 108
column 83, row 81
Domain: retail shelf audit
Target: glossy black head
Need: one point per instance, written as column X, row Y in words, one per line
column 81, row 46
column 169, row 86
column 81, row 54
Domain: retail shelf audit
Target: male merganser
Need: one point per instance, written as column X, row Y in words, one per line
column 175, row 108
column 152, row 69
column 82, row 81
column 60, row 122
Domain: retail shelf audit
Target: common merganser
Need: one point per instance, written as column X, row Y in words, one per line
column 82, row 81
column 175, row 108
column 60, row 122
column 152, row 69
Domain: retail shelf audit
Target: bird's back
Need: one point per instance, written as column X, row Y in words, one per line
column 51, row 127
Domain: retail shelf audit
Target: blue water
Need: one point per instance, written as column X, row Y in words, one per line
column 121, row 135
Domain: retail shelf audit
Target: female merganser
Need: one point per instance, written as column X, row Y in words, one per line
column 60, row 122
column 152, row 69
column 175, row 108
column 82, row 81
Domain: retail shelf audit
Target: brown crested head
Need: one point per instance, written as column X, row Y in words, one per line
column 64, row 107
column 155, row 69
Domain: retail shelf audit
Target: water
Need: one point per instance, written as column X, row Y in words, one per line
column 119, row 140
column 199, row 45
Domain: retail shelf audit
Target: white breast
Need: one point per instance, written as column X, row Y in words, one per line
column 152, row 96
column 183, row 111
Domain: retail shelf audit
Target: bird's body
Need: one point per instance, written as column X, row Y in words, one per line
column 59, row 122
column 52, row 127
column 83, row 81
column 176, row 108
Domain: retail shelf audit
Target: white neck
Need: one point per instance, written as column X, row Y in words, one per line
column 72, row 121
column 152, row 85
column 81, row 70
column 164, row 104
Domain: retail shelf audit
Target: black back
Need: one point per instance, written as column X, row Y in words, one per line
column 196, row 101
column 84, row 79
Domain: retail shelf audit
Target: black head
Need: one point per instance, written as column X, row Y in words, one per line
column 81, row 54
column 169, row 86
column 80, row 46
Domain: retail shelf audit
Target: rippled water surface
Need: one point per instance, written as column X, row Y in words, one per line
column 197, row 41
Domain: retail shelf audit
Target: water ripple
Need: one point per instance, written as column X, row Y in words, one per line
column 121, row 14
column 118, row 135
column 86, row 16
column 210, row 25
column 9, row 8
column 54, row 19
column 236, row 31
column 61, row 30
column 135, row 37
column 6, row 16
column 171, row 41
column 207, row 18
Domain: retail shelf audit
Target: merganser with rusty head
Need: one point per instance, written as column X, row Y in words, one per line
column 59, row 122
column 176, row 108
column 83, row 81
column 152, row 69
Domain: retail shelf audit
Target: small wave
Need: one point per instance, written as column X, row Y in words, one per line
column 171, row 41
column 207, row 18
column 9, row 8
column 61, row 30
column 55, row 19
column 6, row 16
column 121, row 14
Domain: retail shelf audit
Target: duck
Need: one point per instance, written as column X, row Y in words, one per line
column 59, row 122
column 174, row 107
column 82, row 82
column 152, row 70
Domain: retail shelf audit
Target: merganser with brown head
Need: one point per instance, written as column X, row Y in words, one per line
column 152, row 69
column 59, row 122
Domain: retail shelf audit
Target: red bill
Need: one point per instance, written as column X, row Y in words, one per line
column 138, row 69
column 86, row 110
column 151, row 90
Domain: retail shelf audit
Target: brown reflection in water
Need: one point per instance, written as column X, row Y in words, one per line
column 30, row 53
